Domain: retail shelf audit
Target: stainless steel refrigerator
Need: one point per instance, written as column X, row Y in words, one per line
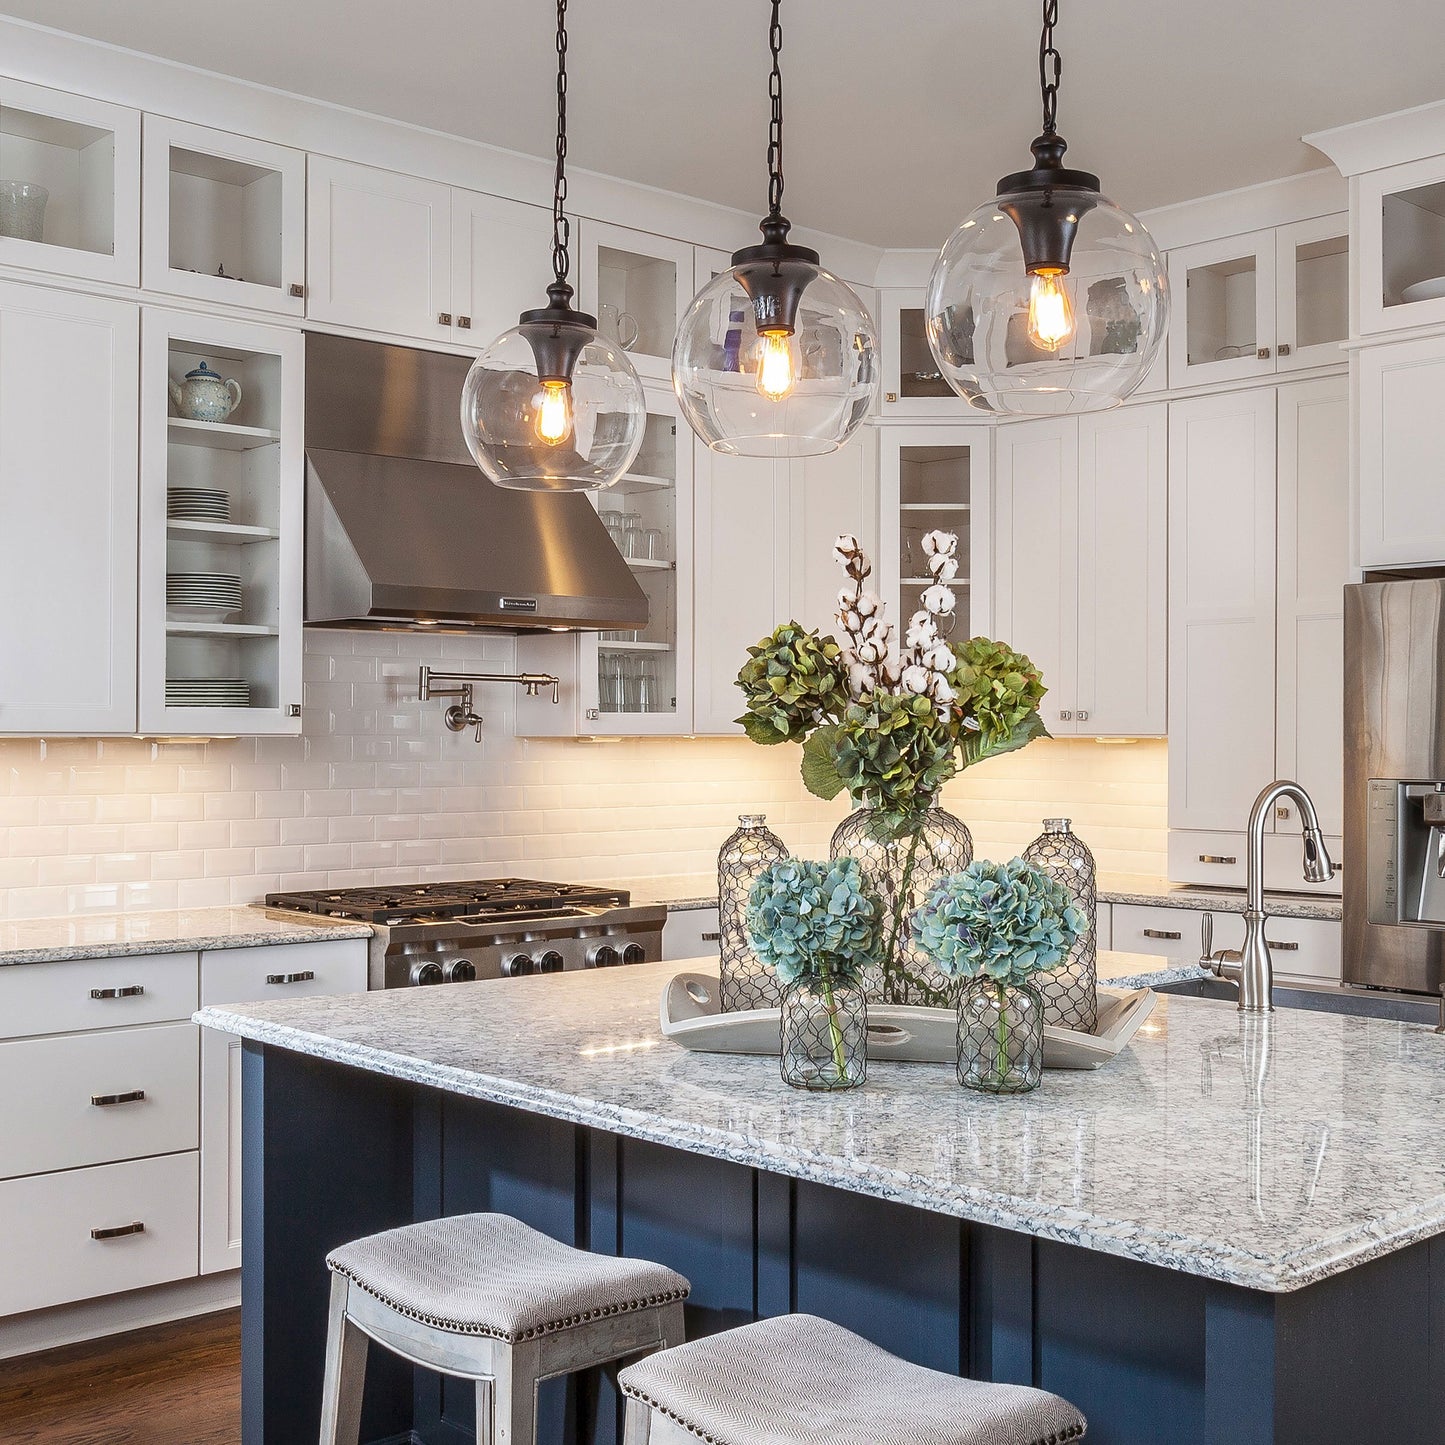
column 1394, row 887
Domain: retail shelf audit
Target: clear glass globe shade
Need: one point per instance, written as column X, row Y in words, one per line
column 1018, row 344
column 815, row 388
column 534, row 438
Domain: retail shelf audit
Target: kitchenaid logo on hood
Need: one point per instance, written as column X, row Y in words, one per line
column 518, row 604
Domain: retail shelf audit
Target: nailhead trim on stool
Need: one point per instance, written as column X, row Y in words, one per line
column 799, row 1380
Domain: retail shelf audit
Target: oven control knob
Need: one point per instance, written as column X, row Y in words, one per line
column 427, row 972
column 634, row 953
column 549, row 962
column 603, row 956
column 461, row 970
column 517, row 966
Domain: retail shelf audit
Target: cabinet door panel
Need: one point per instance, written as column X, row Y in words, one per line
column 1314, row 567
column 378, row 250
column 502, row 263
column 1036, row 556
column 1221, row 606
column 69, row 489
column 828, row 496
column 741, row 571
column 1123, row 571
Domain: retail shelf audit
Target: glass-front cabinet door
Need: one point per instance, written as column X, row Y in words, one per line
column 638, row 286
column 1401, row 223
column 69, row 184
column 1223, row 321
column 220, row 527
column 912, row 383
column 1312, row 264
column 637, row 681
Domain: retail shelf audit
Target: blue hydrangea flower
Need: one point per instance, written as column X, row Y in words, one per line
column 1003, row 921
column 808, row 919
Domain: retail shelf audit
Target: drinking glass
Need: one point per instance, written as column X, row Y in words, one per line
column 656, row 544
column 612, row 520
column 612, row 682
column 648, row 691
column 634, row 539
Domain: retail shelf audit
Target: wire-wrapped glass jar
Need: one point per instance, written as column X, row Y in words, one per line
column 904, row 871
column 824, row 1033
column 1000, row 1037
column 746, row 982
column 1070, row 992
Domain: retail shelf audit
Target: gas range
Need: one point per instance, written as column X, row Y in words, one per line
column 455, row 932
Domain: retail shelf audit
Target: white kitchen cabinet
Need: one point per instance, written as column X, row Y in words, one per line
column 913, row 386
column 1170, row 933
column 224, row 218
column 501, row 263
column 1221, row 606
column 829, row 496
column 246, row 975
column 87, row 156
column 96, row 993
column 68, row 386
column 934, row 477
column 378, row 250
column 1401, row 452
column 638, row 286
column 1081, row 565
column 1312, row 301
column 1400, row 241
column 255, row 457
column 691, row 933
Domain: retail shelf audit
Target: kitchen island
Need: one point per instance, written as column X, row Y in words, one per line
column 1231, row 1234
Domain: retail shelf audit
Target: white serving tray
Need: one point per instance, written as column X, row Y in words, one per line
column 691, row 1015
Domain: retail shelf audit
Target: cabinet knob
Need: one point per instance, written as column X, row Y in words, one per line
column 297, row 290
column 1083, row 717
column 119, row 1231
column 1263, row 353
column 1217, row 858
column 1284, row 348
column 293, row 709
column 464, row 323
column 890, row 396
column 1066, row 716
column 1282, row 812
column 444, row 318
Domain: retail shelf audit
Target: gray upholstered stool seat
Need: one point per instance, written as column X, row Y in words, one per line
column 486, row 1298
column 798, row 1380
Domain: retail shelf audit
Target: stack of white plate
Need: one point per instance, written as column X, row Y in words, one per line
column 198, row 504
column 208, row 692
column 209, row 595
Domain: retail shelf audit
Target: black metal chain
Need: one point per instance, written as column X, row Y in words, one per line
column 561, row 227
column 775, row 126
column 1051, row 66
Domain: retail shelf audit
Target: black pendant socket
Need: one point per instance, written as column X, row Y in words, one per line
column 557, row 334
column 774, row 276
column 1046, row 204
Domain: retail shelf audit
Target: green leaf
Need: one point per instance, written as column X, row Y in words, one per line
column 820, row 772
column 978, row 746
column 760, row 730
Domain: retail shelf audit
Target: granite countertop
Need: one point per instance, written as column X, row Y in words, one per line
column 1267, row 1153
column 107, row 935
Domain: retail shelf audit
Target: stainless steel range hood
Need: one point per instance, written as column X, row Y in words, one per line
column 403, row 531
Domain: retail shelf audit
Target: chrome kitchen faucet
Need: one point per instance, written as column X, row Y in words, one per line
column 1250, row 968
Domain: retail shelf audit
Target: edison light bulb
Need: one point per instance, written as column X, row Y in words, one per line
column 1051, row 314
column 775, row 371
column 554, row 415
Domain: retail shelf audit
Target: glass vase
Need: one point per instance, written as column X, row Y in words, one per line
column 824, row 1033
column 1000, row 1037
column 746, row 982
column 1070, row 992
column 902, row 872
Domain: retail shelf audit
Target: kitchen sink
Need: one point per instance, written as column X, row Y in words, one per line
column 1367, row 1003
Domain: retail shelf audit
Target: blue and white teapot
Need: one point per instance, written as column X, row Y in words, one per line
column 205, row 396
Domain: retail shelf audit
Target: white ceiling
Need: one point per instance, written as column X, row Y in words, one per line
column 901, row 113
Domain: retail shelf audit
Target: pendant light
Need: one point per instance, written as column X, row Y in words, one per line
column 552, row 406
column 1049, row 298
column 775, row 357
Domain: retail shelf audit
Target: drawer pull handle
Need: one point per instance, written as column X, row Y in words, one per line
column 305, row 976
column 1216, row 858
column 1161, row 933
column 1283, row 947
column 131, row 1096
column 119, row 1231
column 712, row 937
column 135, row 990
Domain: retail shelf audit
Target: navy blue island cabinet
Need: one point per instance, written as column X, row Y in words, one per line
column 1151, row 1354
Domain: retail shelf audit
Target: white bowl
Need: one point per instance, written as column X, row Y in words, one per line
column 1431, row 290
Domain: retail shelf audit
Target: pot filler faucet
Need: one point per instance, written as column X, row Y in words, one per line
column 1250, row 968
column 462, row 715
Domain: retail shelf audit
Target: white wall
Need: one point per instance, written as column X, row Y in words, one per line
column 379, row 791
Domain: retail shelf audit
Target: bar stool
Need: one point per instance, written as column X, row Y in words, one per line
column 798, row 1380
column 486, row 1298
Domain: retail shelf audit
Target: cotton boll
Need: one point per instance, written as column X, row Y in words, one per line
column 939, row 600
column 861, row 679
column 850, row 620
column 943, row 569
column 915, row 679
column 868, row 604
column 845, row 547
column 869, row 651
column 922, row 632
column 940, row 658
column 937, row 542
column 940, row 690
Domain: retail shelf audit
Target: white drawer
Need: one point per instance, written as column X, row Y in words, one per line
column 49, row 1255
column 96, row 993
column 1302, row 948
column 1217, row 860
column 691, row 933
column 66, row 1104
column 283, row 970
column 1172, row 933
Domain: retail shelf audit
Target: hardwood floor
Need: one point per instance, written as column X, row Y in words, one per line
column 175, row 1384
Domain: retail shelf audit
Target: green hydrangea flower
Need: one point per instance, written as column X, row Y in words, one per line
column 998, row 692
column 1004, row 921
column 893, row 753
column 793, row 680
column 814, row 919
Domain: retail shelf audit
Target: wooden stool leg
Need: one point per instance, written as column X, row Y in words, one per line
column 345, row 1372
column 637, row 1427
column 486, row 1405
column 672, row 1328
column 515, row 1395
